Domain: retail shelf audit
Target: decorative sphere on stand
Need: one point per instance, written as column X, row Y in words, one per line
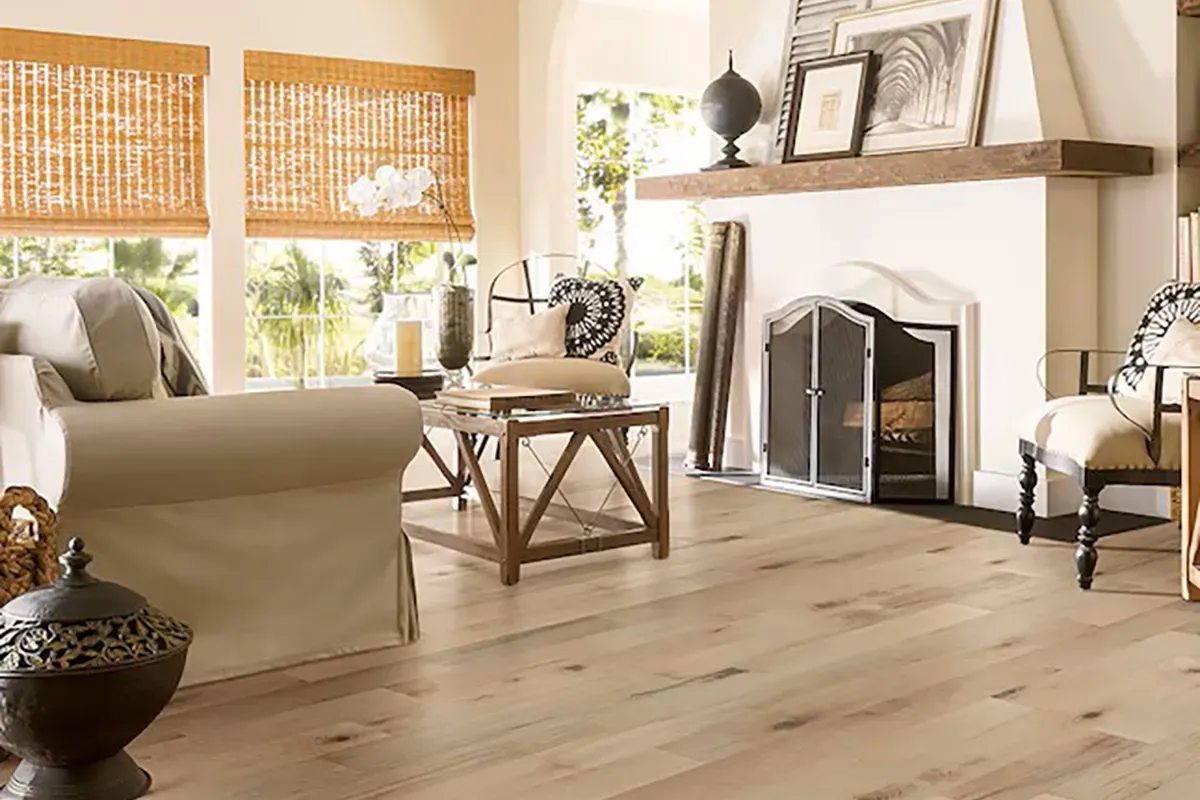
column 730, row 106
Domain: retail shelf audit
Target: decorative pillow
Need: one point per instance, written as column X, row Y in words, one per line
column 600, row 316
column 542, row 335
column 1178, row 347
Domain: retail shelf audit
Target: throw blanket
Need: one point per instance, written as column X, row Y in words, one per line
column 180, row 370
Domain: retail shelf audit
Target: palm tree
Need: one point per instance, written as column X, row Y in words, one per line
column 146, row 263
column 287, row 298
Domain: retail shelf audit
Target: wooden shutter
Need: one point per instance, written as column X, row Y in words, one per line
column 101, row 136
column 811, row 36
column 314, row 125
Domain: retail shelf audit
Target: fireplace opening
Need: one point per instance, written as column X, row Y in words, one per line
column 857, row 405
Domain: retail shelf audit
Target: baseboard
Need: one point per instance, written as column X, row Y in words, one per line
column 1149, row 501
column 1060, row 496
column 1056, row 496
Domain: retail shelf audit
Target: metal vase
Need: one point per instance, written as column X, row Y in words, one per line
column 456, row 325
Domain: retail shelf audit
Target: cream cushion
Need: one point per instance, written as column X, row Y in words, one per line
column 582, row 375
column 95, row 332
column 1090, row 431
column 1179, row 347
column 540, row 335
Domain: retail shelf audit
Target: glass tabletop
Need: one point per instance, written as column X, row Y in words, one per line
column 582, row 404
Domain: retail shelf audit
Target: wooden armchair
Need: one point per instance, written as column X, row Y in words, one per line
column 1125, row 432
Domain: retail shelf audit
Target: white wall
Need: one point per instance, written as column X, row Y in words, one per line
column 1052, row 263
column 451, row 33
column 620, row 45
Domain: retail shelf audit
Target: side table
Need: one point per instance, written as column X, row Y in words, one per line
column 512, row 531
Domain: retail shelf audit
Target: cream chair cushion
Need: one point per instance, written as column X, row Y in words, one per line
column 582, row 375
column 1090, row 431
column 95, row 332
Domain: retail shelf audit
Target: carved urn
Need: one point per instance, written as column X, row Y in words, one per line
column 85, row 667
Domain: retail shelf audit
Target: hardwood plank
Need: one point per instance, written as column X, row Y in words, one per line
column 781, row 636
column 1055, row 158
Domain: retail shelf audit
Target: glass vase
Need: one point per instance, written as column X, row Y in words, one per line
column 456, row 325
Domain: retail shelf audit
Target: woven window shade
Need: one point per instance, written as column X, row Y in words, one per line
column 101, row 136
column 314, row 125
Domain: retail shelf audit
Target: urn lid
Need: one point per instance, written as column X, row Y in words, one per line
column 83, row 623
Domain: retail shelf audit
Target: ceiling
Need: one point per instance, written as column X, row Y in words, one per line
column 698, row 8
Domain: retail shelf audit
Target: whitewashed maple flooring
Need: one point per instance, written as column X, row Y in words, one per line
column 788, row 649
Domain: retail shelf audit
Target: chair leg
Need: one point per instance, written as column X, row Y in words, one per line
column 1085, row 552
column 1025, row 515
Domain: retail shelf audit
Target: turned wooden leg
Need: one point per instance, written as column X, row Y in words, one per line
column 1025, row 515
column 1085, row 552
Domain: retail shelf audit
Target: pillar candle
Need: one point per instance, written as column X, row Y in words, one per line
column 409, row 360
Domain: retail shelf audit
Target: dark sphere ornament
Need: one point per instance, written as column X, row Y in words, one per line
column 85, row 667
column 730, row 106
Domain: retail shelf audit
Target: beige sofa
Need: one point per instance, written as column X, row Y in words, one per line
column 269, row 522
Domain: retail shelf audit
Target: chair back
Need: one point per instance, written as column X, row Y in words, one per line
column 527, row 295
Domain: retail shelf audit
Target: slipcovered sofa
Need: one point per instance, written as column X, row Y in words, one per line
column 269, row 522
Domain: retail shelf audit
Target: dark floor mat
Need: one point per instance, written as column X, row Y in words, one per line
column 1059, row 529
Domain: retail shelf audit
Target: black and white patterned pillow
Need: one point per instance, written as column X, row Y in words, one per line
column 1171, row 302
column 600, row 318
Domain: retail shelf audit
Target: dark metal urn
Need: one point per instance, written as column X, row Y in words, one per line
column 85, row 666
column 731, row 106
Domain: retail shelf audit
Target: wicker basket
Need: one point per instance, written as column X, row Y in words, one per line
column 28, row 550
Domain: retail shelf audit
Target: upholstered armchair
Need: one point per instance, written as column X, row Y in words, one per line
column 580, row 375
column 1124, row 432
column 269, row 522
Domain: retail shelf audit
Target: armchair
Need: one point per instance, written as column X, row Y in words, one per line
column 1126, row 432
column 584, row 376
column 268, row 522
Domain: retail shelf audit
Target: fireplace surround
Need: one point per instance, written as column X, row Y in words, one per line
column 857, row 405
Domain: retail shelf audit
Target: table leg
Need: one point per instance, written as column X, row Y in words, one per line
column 510, row 509
column 659, row 480
column 459, row 503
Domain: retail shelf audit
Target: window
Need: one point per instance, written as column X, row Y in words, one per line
column 311, row 306
column 318, row 274
column 620, row 136
column 167, row 267
column 101, row 136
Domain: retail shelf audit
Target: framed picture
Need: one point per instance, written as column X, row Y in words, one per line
column 828, row 111
column 932, row 71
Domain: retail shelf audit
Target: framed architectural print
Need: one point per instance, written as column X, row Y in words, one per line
column 828, row 110
column 932, row 71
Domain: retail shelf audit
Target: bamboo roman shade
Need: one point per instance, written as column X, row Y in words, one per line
column 314, row 125
column 101, row 136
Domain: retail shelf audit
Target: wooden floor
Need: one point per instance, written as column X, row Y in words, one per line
column 788, row 649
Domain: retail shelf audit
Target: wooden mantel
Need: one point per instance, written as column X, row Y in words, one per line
column 1057, row 158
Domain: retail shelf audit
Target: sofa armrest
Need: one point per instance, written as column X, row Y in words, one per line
column 198, row 448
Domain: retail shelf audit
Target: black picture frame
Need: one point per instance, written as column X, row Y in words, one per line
column 864, row 96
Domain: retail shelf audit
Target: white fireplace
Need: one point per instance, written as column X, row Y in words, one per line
column 982, row 256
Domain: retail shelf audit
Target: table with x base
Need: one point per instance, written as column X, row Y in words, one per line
column 512, row 537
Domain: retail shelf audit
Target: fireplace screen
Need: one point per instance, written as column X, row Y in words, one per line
column 857, row 405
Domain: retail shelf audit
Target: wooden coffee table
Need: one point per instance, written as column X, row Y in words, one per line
column 512, row 536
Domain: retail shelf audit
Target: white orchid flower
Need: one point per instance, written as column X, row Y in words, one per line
column 420, row 178
column 384, row 174
column 392, row 190
column 364, row 196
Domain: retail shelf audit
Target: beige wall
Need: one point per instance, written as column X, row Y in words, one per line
column 454, row 33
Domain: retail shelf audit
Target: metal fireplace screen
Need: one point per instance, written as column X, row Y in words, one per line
column 857, row 405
